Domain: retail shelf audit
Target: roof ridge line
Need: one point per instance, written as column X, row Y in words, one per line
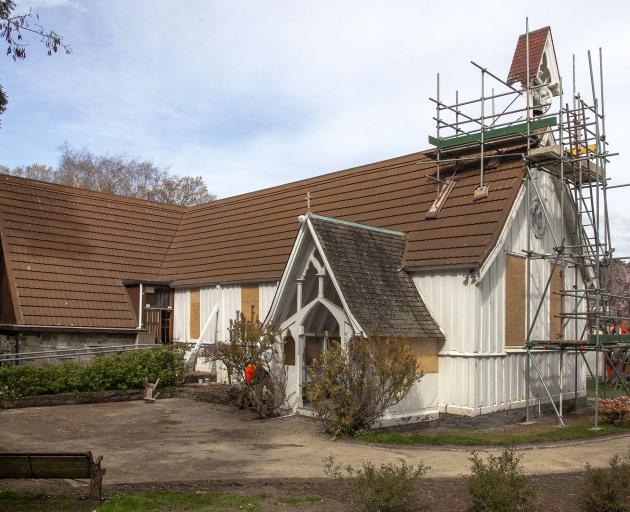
column 349, row 223
column 60, row 188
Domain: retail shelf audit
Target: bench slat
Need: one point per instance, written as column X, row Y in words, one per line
column 58, row 467
column 15, row 467
column 43, row 466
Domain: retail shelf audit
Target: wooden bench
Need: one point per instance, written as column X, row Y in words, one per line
column 54, row 465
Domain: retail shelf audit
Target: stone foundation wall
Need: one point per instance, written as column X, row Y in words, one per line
column 21, row 342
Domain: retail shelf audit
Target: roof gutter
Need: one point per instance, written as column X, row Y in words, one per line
column 63, row 328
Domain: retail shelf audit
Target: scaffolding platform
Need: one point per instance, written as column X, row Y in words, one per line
column 575, row 170
column 609, row 339
column 507, row 133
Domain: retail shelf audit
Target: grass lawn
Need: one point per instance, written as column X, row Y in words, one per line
column 605, row 390
column 470, row 438
column 157, row 501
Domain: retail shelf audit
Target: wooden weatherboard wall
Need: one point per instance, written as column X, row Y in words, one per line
column 515, row 299
column 195, row 320
column 250, row 301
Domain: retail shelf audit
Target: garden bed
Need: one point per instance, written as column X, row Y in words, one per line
column 211, row 393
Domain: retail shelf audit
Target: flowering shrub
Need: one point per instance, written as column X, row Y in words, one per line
column 129, row 370
column 616, row 410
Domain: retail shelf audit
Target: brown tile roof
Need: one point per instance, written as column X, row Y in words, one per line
column 366, row 263
column 68, row 250
column 537, row 39
column 249, row 237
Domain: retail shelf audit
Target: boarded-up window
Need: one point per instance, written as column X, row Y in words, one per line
column 249, row 301
column 312, row 349
column 426, row 352
column 515, row 301
column 289, row 350
column 556, row 304
column 195, row 321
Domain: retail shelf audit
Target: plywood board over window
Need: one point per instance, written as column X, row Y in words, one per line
column 249, row 301
column 515, row 301
column 556, row 304
column 426, row 352
column 195, row 314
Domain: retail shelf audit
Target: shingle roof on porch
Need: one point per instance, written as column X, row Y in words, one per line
column 366, row 262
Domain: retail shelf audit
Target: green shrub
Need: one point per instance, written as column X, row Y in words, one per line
column 499, row 485
column 608, row 489
column 354, row 385
column 128, row 370
column 373, row 488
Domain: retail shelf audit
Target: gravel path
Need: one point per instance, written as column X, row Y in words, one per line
column 186, row 440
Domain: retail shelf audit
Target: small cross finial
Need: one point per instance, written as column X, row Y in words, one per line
column 308, row 202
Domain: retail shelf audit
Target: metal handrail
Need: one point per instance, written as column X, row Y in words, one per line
column 72, row 352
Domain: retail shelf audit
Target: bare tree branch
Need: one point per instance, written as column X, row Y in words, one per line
column 119, row 175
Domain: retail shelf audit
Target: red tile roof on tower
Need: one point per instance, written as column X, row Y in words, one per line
column 537, row 39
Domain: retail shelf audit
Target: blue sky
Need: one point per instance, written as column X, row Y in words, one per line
column 251, row 94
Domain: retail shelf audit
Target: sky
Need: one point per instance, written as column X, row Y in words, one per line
column 251, row 94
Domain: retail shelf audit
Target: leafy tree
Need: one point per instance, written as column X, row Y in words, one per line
column 119, row 175
column 13, row 28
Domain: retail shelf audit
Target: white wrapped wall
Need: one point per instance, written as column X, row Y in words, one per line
column 477, row 372
column 228, row 297
column 266, row 292
column 181, row 315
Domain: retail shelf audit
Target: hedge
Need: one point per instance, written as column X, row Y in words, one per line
column 129, row 370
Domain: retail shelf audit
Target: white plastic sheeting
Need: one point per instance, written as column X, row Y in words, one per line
column 229, row 299
column 181, row 315
column 266, row 292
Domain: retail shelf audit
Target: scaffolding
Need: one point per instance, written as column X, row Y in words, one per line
column 567, row 141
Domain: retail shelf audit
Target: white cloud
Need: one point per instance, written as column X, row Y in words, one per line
column 25, row 5
column 251, row 94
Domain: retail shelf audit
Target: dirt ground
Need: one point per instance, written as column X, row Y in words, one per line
column 185, row 444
